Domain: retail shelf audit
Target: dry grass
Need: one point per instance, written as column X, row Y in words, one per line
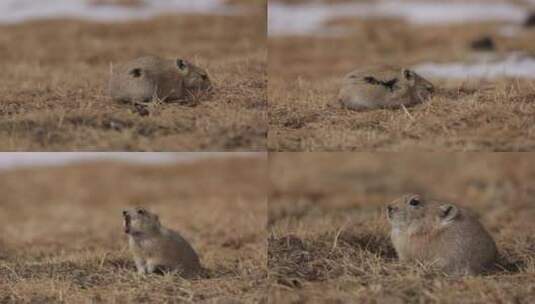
column 304, row 79
column 62, row 239
column 329, row 239
column 53, row 85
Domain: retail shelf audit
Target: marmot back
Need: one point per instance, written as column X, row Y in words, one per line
column 441, row 234
column 150, row 77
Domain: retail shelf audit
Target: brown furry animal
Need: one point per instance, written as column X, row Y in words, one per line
column 147, row 78
column 441, row 234
column 383, row 87
column 156, row 248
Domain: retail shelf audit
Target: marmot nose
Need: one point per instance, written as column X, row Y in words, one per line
column 390, row 209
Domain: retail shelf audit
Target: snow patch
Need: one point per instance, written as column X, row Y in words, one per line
column 15, row 11
column 12, row 160
column 306, row 19
column 513, row 66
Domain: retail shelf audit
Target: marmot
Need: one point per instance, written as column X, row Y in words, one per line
column 156, row 248
column 383, row 87
column 441, row 234
column 152, row 77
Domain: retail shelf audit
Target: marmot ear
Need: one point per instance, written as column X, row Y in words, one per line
column 448, row 212
column 408, row 75
column 182, row 65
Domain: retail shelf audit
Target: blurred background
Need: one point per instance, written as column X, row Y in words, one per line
column 498, row 186
column 105, row 10
column 61, row 224
column 347, row 24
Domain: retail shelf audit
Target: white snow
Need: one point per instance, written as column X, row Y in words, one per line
column 305, row 19
column 15, row 11
column 513, row 66
column 308, row 18
column 11, row 160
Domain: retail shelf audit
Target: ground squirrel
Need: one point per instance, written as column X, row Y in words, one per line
column 156, row 248
column 152, row 77
column 382, row 87
column 441, row 234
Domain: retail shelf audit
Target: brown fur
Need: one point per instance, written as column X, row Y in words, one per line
column 152, row 77
column 384, row 86
column 440, row 234
column 156, row 248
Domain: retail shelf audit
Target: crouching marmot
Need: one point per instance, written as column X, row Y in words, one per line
column 151, row 77
column 156, row 248
column 440, row 234
column 383, row 87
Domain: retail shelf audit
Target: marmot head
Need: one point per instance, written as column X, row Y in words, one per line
column 421, row 87
column 139, row 220
column 195, row 78
column 415, row 214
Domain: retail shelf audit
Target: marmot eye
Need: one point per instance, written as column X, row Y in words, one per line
column 140, row 211
column 414, row 202
column 408, row 74
column 181, row 64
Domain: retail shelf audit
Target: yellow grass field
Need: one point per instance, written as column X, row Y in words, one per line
column 53, row 86
column 303, row 219
column 464, row 115
column 62, row 239
column 328, row 235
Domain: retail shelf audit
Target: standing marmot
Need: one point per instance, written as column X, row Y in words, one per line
column 156, row 248
column 383, row 87
column 150, row 77
column 441, row 234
